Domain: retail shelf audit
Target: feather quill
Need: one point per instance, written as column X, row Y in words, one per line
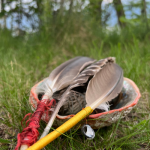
column 80, row 80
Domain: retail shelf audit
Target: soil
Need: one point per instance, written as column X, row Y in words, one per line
column 6, row 133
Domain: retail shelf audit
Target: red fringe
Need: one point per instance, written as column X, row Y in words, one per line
column 30, row 133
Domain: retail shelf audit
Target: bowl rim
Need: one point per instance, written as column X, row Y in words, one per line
column 93, row 116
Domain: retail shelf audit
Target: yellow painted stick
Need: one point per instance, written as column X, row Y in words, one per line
column 62, row 129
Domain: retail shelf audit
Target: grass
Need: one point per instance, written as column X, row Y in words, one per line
column 26, row 61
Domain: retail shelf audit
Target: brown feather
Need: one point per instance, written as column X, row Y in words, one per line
column 63, row 75
column 105, row 85
column 89, row 72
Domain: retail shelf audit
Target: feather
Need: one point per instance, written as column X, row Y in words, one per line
column 104, row 106
column 80, row 80
column 89, row 72
column 63, row 75
column 105, row 85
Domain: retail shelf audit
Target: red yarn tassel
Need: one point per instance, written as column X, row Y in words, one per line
column 30, row 134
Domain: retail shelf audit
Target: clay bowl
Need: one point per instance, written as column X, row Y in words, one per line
column 128, row 102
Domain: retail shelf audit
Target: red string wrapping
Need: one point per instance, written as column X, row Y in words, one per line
column 30, row 133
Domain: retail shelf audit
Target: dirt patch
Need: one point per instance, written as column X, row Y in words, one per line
column 7, row 134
